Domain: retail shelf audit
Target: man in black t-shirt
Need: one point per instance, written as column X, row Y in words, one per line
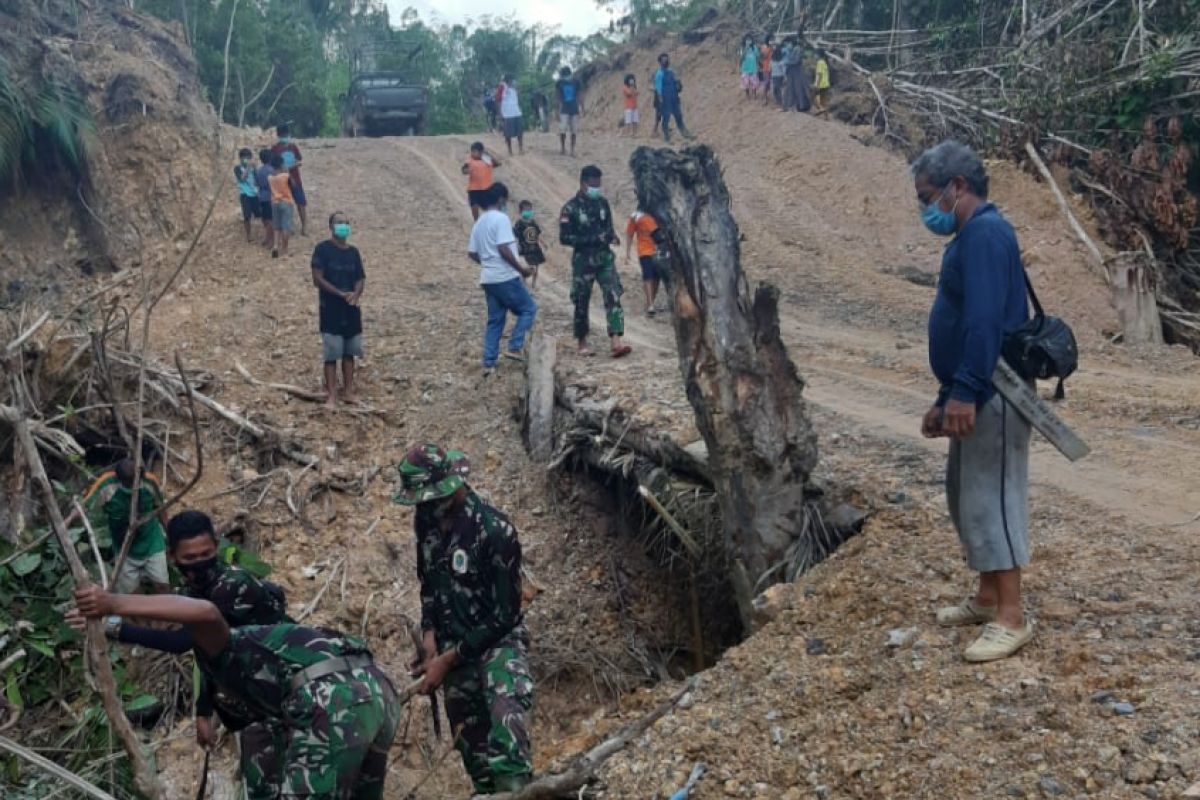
column 337, row 272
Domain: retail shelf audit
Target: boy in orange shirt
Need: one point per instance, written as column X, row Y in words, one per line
column 644, row 228
column 478, row 169
column 630, row 94
column 283, row 206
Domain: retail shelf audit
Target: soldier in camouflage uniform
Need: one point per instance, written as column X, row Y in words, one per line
column 338, row 710
column 243, row 599
column 469, row 563
column 586, row 225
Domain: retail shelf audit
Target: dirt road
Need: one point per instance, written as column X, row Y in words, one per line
column 837, row 233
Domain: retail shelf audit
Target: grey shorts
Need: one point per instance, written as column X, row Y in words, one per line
column 282, row 215
column 514, row 127
column 335, row 348
column 135, row 571
column 987, row 489
column 568, row 123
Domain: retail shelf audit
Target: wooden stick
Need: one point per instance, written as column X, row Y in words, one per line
column 566, row 783
column 12, row 347
column 296, row 391
column 144, row 776
column 1097, row 256
column 43, row 763
column 312, row 604
column 87, row 525
column 1037, row 412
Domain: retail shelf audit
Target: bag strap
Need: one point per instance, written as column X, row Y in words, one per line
column 1037, row 305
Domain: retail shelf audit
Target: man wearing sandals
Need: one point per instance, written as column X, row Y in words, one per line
column 586, row 225
column 981, row 297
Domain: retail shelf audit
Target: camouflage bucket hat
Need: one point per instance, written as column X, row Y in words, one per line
column 430, row 473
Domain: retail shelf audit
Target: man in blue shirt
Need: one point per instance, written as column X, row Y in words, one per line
column 666, row 89
column 981, row 298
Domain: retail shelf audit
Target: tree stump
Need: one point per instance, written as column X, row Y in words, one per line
column 745, row 391
column 539, row 398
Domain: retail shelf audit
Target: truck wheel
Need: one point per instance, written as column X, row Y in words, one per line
column 419, row 128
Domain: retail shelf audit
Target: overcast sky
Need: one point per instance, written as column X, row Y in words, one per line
column 575, row 17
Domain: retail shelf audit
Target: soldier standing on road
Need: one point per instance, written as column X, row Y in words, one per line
column 586, row 225
column 242, row 599
column 475, row 642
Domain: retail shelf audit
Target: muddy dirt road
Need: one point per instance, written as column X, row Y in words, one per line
column 837, row 231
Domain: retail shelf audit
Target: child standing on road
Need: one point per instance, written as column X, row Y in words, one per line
column 821, row 83
column 262, row 177
column 629, row 93
column 287, row 149
column 764, row 68
column 243, row 172
column 778, row 70
column 749, row 67
column 283, row 207
column 478, row 169
column 644, row 228
column 530, row 245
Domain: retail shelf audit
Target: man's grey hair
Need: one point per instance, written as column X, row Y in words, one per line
column 944, row 162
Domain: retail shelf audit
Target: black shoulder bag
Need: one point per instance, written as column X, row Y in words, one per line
column 1042, row 348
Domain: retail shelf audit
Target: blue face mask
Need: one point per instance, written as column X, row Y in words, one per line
column 594, row 192
column 941, row 223
column 285, row 139
column 528, row 214
column 341, row 230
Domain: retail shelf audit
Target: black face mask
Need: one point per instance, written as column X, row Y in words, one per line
column 200, row 573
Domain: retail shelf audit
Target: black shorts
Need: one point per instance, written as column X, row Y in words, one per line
column 477, row 197
column 264, row 210
column 650, row 271
column 250, row 208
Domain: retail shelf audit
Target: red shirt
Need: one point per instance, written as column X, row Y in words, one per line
column 279, row 149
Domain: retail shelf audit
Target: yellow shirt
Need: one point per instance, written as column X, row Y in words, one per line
column 822, row 77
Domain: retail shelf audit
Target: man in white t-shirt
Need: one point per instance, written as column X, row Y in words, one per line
column 493, row 248
column 510, row 112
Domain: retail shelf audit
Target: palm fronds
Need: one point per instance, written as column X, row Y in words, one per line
column 44, row 125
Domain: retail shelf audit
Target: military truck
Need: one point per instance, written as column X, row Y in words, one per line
column 381, row 103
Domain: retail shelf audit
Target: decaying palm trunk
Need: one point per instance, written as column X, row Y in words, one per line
column 745, row 391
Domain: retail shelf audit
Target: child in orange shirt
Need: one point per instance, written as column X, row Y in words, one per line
column 644, row 228
column 765, row 52
column 630, row 93
column 283, row 206
column 478, row 169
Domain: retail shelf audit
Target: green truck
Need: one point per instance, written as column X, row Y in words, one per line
column 384, row 103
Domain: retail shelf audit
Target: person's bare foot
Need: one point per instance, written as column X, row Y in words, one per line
column 331, row 402
column 350, row 398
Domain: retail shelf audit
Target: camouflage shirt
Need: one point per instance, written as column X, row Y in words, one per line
column 258, row 664
column 586, row 224
column 470, row 578
column 242, row 599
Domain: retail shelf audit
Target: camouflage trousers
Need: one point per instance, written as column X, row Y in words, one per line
column 339, row 730
column 488, row 700
column 262, row 745
column 599, row 267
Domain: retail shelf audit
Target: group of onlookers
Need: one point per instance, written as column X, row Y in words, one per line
column 781, row 72
column 273, row 191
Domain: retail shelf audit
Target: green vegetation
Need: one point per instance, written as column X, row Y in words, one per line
column 44, row 126
column 292, row 60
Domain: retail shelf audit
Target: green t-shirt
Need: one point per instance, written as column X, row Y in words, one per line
column 114, row 498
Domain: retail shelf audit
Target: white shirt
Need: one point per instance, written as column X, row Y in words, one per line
column 492, row 231
column 509, row 105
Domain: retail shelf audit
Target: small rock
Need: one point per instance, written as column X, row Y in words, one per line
column 1122, row 709
column 896, row 498
column 1050, row 787
column 1106, row 660
column 898, row 637
column 1102, row 697
column 1108, row 755
column 1141, row 770
column 776, row 735
column 772, row 715
column 1150, row 736
column 687, row 701
column 815, row 647
column 1015, row 791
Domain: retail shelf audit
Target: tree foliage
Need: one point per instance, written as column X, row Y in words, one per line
column 293, row 61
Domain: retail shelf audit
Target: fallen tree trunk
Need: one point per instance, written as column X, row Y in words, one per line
column 743, row 388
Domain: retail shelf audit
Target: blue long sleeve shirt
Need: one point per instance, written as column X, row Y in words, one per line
column 981, row 296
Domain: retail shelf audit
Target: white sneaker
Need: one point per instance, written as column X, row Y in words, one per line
column 965, row 613
column 998, row 642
